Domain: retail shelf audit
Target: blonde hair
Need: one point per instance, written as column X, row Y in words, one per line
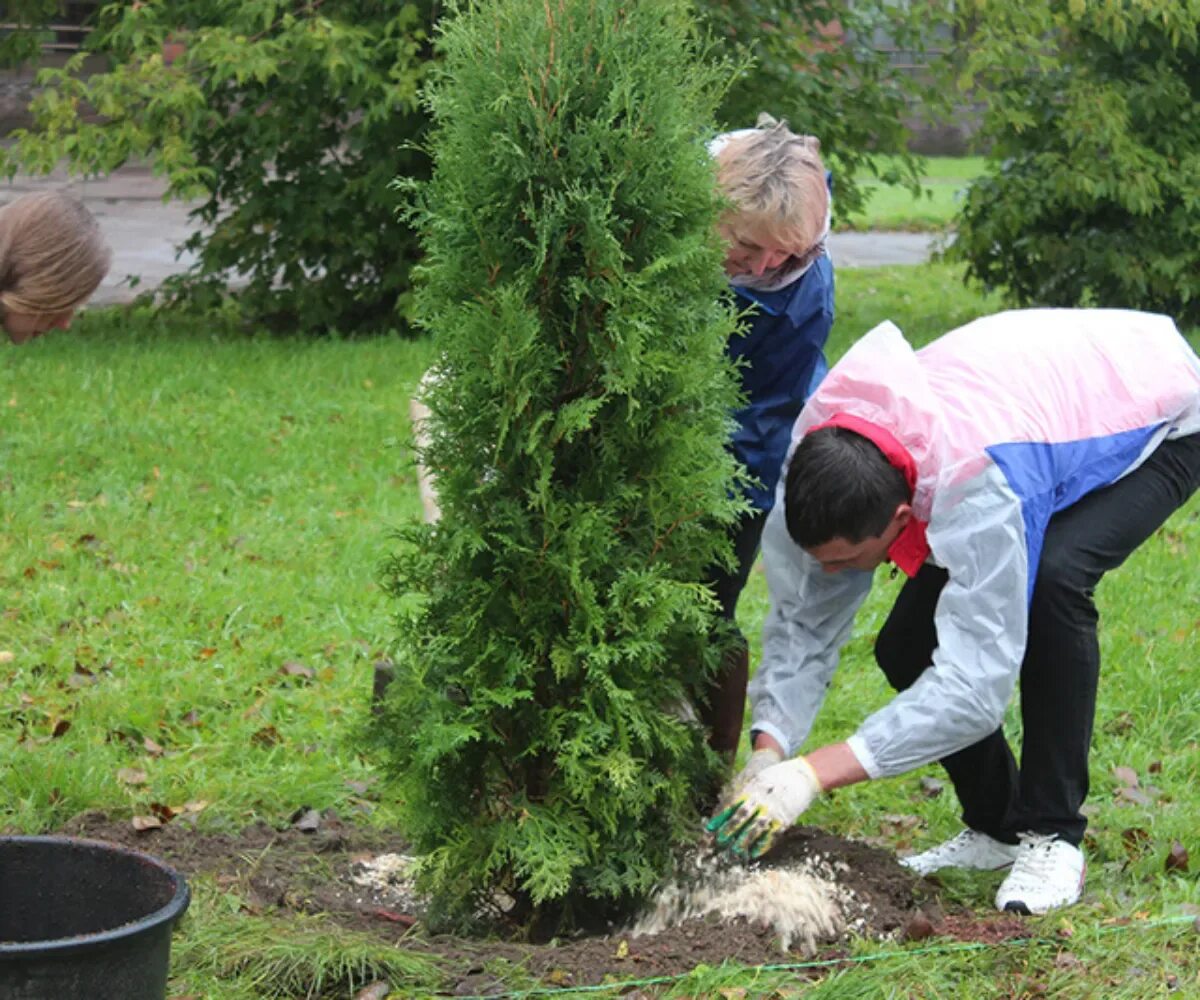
column 52, row 255
column 776, row 181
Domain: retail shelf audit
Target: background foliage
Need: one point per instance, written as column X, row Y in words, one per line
column 1092, row 193
column 580, row 406
column 825, row 65
column 289, row 120
column 21, row 43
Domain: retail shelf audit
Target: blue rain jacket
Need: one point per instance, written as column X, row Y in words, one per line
column 781, row 359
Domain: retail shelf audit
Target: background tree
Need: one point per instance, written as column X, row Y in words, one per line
column 1092, row 192
column 21, row 43
column 826, row 66
column 289, row 120
column 553, row 617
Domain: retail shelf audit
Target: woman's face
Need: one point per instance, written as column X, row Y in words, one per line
column 24, row 327
column 747, row 256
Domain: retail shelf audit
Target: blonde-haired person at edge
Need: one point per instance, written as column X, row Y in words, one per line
column 782, row 276
column 52, row 258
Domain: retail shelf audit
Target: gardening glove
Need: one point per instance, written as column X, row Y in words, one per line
column 772, row 800
column 759, row 761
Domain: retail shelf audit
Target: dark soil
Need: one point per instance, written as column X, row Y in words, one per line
column 294, row 870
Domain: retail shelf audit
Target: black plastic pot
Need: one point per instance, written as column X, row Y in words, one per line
column 84, row 920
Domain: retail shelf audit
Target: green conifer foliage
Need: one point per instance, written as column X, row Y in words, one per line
column 579, row 412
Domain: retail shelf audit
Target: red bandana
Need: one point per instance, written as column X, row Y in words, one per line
column 910, row 549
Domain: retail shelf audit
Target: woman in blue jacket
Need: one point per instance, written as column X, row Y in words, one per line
column 781, row 273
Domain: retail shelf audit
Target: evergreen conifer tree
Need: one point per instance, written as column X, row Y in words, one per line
column 553, row 617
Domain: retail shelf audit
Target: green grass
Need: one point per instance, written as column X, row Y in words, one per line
column 890, row 207
column 184, row 511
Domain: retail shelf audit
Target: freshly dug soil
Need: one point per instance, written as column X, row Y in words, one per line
column 313, row 871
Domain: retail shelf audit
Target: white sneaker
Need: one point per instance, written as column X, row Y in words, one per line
column 1048, row 873
column 970, row 849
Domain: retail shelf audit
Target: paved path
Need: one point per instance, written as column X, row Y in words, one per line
column 145, row 232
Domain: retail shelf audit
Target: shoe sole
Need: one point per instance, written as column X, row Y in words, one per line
column 961, row 868
column 1018, row 906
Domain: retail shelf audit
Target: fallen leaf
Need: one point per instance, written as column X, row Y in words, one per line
column 895, row 823
column 1135, row 840
column 1134, row 795
column 60, row 728
column 192, row 719
column 143, row 823
column 191, row 808
column 152, row 748
column 931, row 788
column 7, row 656
column 1155, row 767
column 294, row 669
column 393, row 916
column 268, row 736
column 1126, row 776
column 622, row 950
column 81, row 677
column 132, row 776
column 207, row 653
column 376, row 991
column 1066, row 960
column 1120, row 724
column 306, row 820
column 918, row 928
column 163, row 812
column 558, row 977
column 1177, row 858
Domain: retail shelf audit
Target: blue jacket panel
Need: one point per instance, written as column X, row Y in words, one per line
column 781, row 359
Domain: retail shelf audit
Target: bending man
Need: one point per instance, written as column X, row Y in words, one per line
column 1004, row 469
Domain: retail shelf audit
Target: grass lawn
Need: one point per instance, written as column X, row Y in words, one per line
column 889, row 207
column 191, row 523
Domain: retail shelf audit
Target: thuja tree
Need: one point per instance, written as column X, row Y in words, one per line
column 1092, row 190
column 285, row 120
column 552, row 621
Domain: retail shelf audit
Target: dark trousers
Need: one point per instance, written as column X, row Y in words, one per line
column 725, row 705
column 1061, row 667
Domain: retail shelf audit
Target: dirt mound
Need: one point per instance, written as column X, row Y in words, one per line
column 357, row 878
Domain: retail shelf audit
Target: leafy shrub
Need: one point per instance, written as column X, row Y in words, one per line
column 289, row 120
column 26, row 24
column 579, row 411
column 1092, row 192
column 826, row 66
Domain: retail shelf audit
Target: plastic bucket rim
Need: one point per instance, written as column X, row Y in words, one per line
column 167, row 914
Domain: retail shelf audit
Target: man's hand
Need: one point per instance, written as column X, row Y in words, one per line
column 770, row 801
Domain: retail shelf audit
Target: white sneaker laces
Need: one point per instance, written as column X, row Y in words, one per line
column 1035, row 862
column 965, row 841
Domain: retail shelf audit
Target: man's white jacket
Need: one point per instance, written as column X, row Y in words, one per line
column 1007, row 420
